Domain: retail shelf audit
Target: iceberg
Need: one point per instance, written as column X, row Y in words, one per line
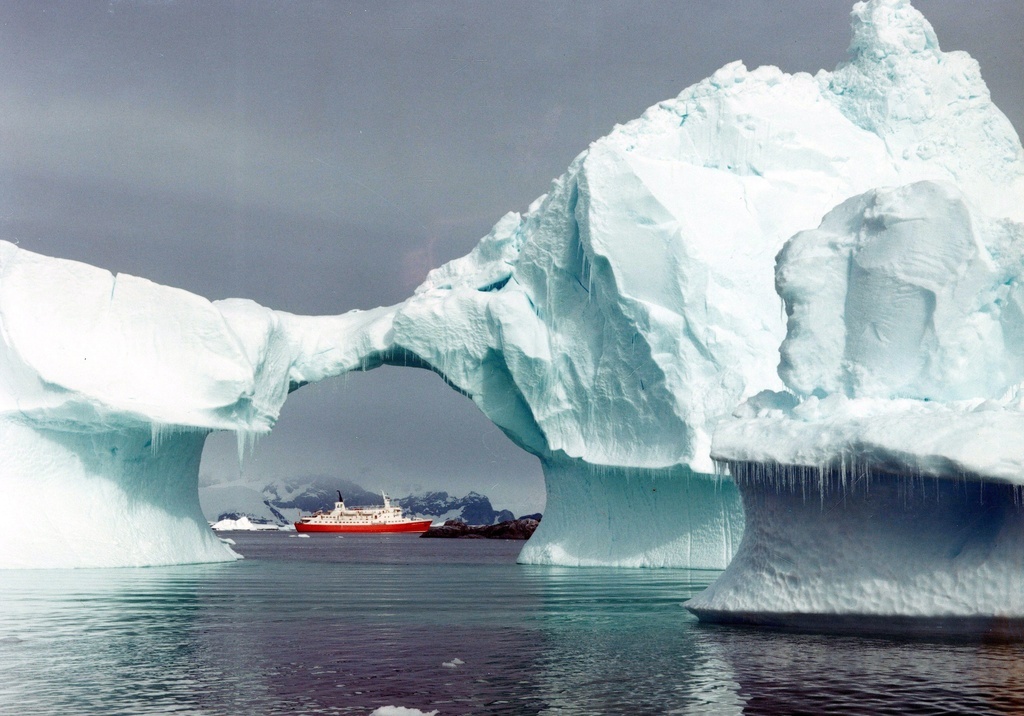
column 243, row 524
column 110, row 385
column 235, row 500
column 887, row 484
column 883, row 489
column 608, row 330
column 614, row 325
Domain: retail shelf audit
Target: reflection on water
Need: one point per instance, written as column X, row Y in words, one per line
column 816, row 674
column 342, row 626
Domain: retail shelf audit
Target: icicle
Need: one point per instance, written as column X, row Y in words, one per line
column 246, row 441
column 157, row 431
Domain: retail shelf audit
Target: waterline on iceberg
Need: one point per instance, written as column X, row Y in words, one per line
column 872, row 551
column 634, row 517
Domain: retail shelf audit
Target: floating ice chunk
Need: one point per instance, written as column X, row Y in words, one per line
column 242, row 524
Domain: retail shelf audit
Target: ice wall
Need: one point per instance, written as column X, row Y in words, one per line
column 607, row 330
column 867, row 550
column 886, row 486
column 631, row 517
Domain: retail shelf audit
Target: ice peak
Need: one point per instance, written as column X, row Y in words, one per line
column 896, row 70
column 931, row 108
column 890, row 27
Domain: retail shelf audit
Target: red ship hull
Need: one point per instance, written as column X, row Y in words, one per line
column 416, row 526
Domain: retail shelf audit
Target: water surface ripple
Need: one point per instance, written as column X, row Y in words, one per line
column 343, row 626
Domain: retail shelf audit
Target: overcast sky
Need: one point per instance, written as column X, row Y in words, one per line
column 323, row 156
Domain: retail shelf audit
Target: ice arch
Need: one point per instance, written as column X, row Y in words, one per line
column 615, row 324
column 111, row 384
column 607, row 330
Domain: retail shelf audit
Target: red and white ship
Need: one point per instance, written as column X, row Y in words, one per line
column 361, row 519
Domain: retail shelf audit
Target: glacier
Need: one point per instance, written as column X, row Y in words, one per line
column 611, row 330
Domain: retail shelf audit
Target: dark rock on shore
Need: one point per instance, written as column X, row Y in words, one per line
column 522, row 528
column 474, row 508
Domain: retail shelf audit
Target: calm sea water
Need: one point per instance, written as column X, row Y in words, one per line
column 334, row 625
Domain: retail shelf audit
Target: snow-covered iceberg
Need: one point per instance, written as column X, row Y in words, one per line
column 243, row 524
column 888, row 482
column 883, row 489
column 607, row 330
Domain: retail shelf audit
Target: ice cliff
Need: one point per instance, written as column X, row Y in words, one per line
column 608, row 330
column 883, row 488
column 887, row 481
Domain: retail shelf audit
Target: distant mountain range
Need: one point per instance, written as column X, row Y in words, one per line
column 282, row 503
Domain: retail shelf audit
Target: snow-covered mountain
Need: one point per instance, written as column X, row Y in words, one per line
column 473, row 509
column 281, row 503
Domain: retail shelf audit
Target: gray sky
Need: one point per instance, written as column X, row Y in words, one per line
column 323, row 156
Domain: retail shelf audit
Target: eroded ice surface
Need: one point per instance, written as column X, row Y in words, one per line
column 633, row 306
column 864, row 550
column 110, row 385
column 607, row 330
column 904, row 348
column 886, row 482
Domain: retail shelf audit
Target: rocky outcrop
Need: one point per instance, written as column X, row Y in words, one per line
column 473, row 509
column 522, row 529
